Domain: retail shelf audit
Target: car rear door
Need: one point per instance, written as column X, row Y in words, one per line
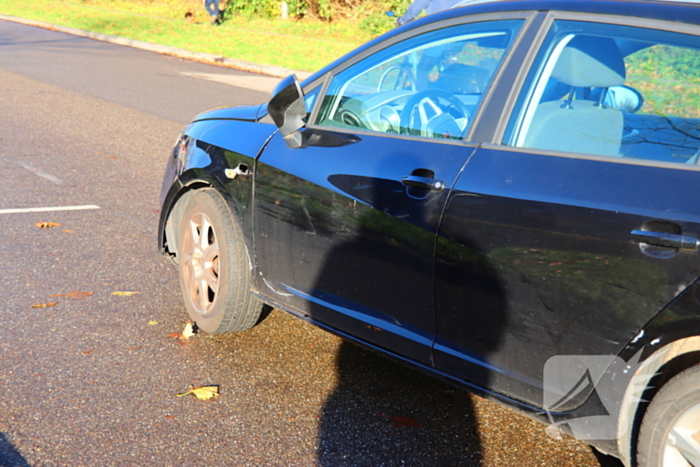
column 345, row 228
column 568, row 243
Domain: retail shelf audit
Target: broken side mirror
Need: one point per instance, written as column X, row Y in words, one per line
column 287, row 109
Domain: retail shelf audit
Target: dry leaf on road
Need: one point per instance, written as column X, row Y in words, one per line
column 202, row 392
column 189, row 331
column 125, row 294
column 46, row 225
column 44, row 305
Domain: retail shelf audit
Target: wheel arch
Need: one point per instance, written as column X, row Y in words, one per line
column 657, row 369
column 172, row 209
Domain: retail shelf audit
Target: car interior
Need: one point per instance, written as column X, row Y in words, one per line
column 431, row 89
column 590, row 98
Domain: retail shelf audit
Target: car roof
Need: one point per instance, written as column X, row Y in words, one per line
column 685, row 11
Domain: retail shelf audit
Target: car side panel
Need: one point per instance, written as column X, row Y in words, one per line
column 341, row 240
column 535, row 259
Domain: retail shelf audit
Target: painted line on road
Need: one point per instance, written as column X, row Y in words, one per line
column 49, row 209
column 40, row 173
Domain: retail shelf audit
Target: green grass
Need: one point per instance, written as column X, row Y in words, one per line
column 299, row 45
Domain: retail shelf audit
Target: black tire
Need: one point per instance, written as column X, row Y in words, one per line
column 670, row 431
column 214, row 266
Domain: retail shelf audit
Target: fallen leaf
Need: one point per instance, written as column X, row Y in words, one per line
column 43, row 305
column 125, row 294
column 73, row 295
column 46, row 225
column 135, row 348
column 202, row 392
column 88, row 351
column 402, row 422
column 152, row 323
column 169, row 416
column 188, row 331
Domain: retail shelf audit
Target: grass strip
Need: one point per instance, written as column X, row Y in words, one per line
column 298, row 45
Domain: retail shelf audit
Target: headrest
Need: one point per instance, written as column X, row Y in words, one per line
column 590, row 62
column 463, row 79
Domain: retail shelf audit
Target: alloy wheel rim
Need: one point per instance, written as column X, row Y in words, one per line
column 200, row 250
column 682, row 447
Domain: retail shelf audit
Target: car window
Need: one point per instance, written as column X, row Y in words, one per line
column 615, row 91
column 310, row 100
column 429, row 85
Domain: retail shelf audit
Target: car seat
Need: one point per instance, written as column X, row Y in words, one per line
column 582, row 126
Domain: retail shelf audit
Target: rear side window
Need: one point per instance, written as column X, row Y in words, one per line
column 608, row 90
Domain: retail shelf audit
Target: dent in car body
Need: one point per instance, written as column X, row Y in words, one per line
column 212, row 148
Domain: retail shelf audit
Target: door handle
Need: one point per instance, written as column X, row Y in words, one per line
column 423, row 182
column 668, row 240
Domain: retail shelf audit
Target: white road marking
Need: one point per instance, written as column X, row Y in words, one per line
column 49, row 209
column 40, row 173
column 256, row 83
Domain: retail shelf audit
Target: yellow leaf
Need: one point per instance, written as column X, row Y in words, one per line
column 125, row 294
column 188, row 331
column 152, row 323
column 46, row 225
column 202, row 392
column 44, row 305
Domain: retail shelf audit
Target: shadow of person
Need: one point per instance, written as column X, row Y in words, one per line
column 9, row 456
column 383, row 413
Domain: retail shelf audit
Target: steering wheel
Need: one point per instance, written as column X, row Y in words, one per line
column 423, row 115
column 403, row 76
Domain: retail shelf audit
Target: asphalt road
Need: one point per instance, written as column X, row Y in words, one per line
column 93, row 380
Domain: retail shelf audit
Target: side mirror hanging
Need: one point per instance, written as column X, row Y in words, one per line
column 287, row 109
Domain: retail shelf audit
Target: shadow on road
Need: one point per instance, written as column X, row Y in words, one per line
column 9, row 456
column 383, row 413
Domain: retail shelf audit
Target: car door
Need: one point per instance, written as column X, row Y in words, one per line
column 574, row 231
column 345, row 227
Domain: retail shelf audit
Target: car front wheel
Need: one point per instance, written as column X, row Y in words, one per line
column 214, row 266
column 670, row 431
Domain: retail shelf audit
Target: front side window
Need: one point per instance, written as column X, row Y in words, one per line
column 429, row 85
column 609, row 90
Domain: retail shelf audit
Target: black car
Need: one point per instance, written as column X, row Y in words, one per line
column 506, row 195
